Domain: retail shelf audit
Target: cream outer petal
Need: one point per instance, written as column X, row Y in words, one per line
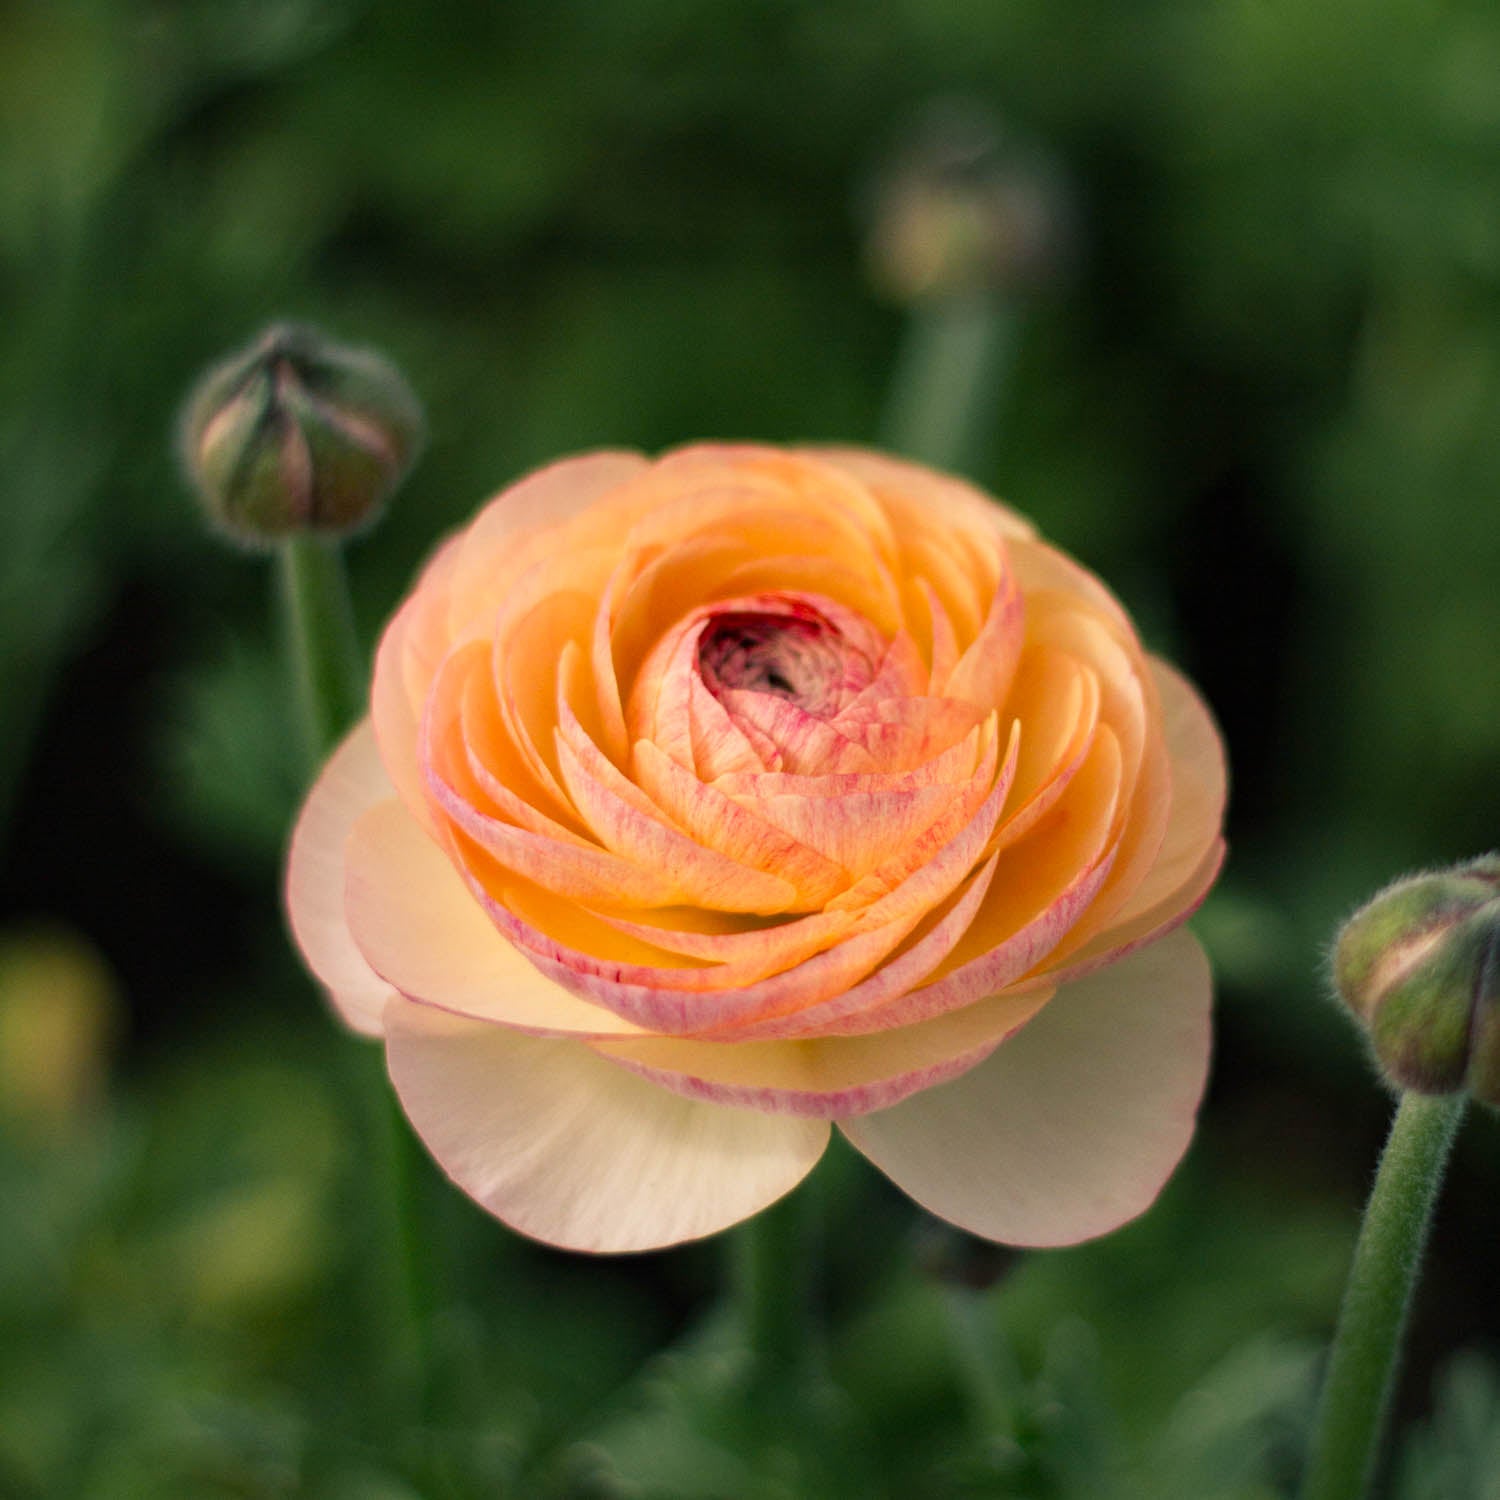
column 578, row 1153
column 351, row 782
column 1073, row 1126
column 419, row 925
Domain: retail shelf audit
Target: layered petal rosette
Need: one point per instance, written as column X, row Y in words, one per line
column 707, row 801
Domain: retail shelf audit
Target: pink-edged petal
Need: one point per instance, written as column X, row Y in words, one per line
column 739, row 832
column 1043, row 884
column 1145, row 927
column 1175, row 870
column 1074, row 1125
column 826, row 991
column 420, row 928
column 829, row 1077
column 353, row 781
column 627, row 822
column 578, row 1153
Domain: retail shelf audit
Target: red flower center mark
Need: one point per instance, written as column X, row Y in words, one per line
column 802, row 658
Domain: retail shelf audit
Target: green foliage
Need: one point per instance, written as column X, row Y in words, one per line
column 1457, row 1452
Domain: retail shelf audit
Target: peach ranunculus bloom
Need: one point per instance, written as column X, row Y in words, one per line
column 707, row 802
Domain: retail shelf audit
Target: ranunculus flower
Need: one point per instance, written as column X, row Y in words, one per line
column 706, row 801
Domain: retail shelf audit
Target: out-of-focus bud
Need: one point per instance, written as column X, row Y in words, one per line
column 962, row 207
column 58, row 1014
column 298, row 435
column 1420, row 967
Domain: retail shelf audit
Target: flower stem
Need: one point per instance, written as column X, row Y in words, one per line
column 329, row 675
column 990, row 1390
column 1357, row 1387
column 327, row 665
column 945, row 392
column 772, row 1260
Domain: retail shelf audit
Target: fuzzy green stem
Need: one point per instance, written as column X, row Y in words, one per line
column 328, row 670
column 327, row 665
column 772, row 1277
column 945, row 392
column 1387, row 1258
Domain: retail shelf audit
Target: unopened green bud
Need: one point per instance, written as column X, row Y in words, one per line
column 1420, row 967
column 297, row 435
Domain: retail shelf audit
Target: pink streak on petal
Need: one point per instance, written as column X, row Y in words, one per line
column 1126, row 936
column 1183, row 829
column 419, row 927
column 980, row 806
column 877, row 1002
column 1056, row 706
column 633, row 961
column 805, row 743
column 1074, row 1125
column 857, row 830
column 830, row 1078
column 352, row 781
column 1043, row 885
column 739, row 831
column 462, row 716
column 580, row 1154
column 523, row 658
column 630, row 824
column 718, row 745
column 643, row 997
column 950, row 767
column 758, row 950
column 900, row 734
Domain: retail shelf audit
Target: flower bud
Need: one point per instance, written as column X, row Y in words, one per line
column 298, row 435
column 1420, row 967
column 962, row 207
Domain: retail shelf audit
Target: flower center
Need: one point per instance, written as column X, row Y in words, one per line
column 802, row 658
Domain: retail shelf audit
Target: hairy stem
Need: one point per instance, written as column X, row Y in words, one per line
column 330, row 678
column 1387, row 1258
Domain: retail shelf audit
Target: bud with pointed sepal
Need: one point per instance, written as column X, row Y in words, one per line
column 297, row 435
column 1420, row 967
